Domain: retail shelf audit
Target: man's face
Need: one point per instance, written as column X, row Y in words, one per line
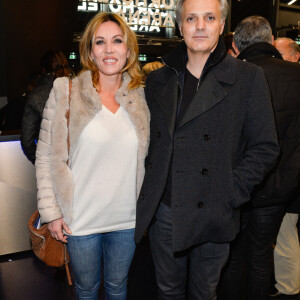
column 284, row 49
column 201, row 25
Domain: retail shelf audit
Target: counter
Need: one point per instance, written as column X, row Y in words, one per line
column 17, row 196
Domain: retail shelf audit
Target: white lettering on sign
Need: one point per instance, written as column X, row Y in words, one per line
column 141, row 15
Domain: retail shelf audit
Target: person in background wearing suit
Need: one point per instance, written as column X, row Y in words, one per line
column 287, row 250
column 249, row 268
column 212, row 139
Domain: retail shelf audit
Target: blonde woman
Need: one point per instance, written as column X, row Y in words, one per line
column 90, row 202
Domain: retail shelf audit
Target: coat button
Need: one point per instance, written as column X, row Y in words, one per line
column 204, row 171
column 206, row 137
column 158, row 134
column 150, row 165
column 200, row 204
column 142, row 196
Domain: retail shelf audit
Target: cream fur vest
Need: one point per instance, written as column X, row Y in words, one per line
column 54, row 177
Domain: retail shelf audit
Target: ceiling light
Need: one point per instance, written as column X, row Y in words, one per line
column 291, row 2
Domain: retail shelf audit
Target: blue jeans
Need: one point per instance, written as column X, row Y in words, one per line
column 191, row 274
column 86, row 252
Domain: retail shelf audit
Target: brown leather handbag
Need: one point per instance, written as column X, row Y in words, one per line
column 52, row 252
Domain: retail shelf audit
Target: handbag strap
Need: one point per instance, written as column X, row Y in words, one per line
column 67, row 266
column 68, row 117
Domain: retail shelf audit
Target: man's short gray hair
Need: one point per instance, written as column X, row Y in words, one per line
column 223, row 5
column 295, row 48
column 252, row 30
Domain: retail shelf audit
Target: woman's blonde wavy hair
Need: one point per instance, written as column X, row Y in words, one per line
column 85, row 47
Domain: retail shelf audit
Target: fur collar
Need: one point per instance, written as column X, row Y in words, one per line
column 90, row 95
column 86, row 103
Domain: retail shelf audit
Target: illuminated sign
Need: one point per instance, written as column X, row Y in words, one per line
column 72, row 55
column 141, row 15
column 142, row 57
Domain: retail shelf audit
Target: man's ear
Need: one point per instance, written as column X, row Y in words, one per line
column 232, row 52
column 272, row 40
column 235, row 48
column 180, row 29
column 222, row 27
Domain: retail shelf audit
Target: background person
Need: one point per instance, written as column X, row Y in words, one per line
column 213, row 138
column 93, row 198
column 288, row 49
column 287, row 250
column 53, row 64
column 249, row 269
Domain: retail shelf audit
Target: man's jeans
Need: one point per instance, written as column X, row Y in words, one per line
column 191, row 274
column 86, row 252
column 247, row 274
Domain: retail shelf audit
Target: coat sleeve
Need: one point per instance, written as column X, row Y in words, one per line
column 47, row 202
column 260, row 145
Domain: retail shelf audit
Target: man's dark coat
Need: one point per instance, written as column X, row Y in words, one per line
column 221, row 148
column 282, row 183
column 33, row 115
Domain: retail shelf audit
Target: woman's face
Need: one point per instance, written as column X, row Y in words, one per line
column 109, row 51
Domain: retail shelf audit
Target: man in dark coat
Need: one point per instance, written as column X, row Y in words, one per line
column 250, row 260
column 213, row 139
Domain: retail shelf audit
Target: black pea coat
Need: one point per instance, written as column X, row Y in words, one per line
column 282, row 183
column 221, row 148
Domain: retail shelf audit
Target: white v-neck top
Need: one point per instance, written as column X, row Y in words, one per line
column 104, row 167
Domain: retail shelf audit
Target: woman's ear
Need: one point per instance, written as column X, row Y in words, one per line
column 91, row 56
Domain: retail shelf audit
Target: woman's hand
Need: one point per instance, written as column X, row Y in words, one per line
column 56, row 228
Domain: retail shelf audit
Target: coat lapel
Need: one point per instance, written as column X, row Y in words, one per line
column 211, row 90
column 209, row 94
column 166, row 96
column 85, row 103
column 135, row 105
